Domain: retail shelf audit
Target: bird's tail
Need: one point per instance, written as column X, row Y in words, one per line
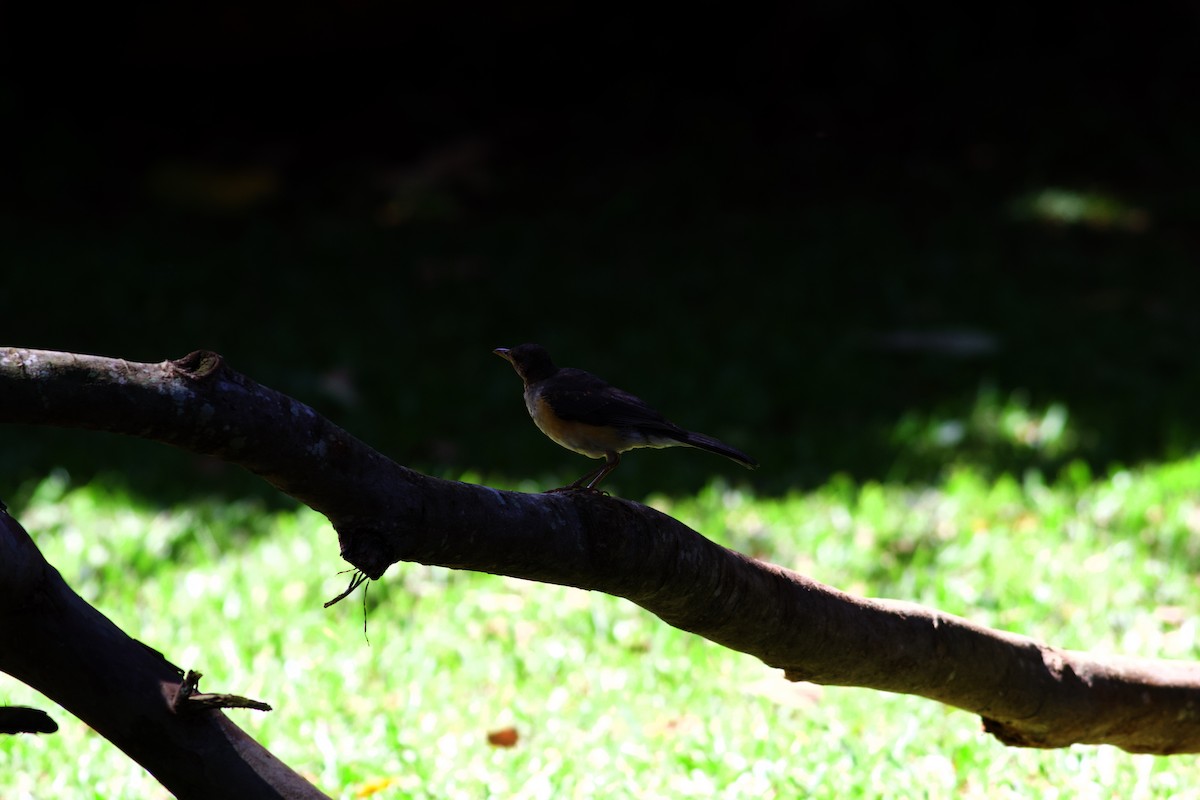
column 717, row 446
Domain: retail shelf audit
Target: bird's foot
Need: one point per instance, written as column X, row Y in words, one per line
column 573, row 488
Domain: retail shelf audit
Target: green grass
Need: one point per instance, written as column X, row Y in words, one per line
column 609, row 702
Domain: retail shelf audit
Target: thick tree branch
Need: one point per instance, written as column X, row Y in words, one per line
column 52, row 640
column 1028, row 693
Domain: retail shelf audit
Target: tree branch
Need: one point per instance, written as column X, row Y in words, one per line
column 52, row 640
column 1028, row 693
column 21, row 719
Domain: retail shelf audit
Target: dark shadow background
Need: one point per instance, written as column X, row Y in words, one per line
column 814, row 233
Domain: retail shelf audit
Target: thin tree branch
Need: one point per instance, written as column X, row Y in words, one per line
column 1027, row 693
column 22, row 719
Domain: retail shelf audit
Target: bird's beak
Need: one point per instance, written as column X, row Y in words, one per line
column 504, row 353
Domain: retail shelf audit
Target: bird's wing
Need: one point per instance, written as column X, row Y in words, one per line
column 583, row 397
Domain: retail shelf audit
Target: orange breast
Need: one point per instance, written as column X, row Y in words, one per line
column 593, row 441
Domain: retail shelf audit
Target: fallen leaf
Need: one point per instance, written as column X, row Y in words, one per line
column 373, row 786
column 504, row 737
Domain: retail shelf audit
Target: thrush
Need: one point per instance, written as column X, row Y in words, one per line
column 587, row 415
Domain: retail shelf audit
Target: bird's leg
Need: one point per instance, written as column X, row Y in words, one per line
column 576, row 485
column 612, row 459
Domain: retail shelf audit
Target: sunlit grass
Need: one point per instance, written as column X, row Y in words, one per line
column 607, row 701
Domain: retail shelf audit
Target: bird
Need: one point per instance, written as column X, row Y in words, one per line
column 587, row 415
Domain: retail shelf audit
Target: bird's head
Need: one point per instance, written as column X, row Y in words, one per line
column 531, row 361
